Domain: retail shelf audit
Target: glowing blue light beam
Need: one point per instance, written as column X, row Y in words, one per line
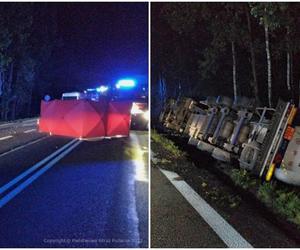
column 102, row 89
column 125, row 83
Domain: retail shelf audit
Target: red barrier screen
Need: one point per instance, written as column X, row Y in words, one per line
column 85, row 118
column 118, row 118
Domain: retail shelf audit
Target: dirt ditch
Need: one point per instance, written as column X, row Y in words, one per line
column 261, row 226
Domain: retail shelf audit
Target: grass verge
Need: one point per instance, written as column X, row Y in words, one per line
column 167, row 155
column 167, row 144
column 283, row 200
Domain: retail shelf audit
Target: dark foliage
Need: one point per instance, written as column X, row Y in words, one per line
column 28, row 36
column 191, row 50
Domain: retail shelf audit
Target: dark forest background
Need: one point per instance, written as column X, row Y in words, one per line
column 51, row 48
column 28, row 37
column 232, row 49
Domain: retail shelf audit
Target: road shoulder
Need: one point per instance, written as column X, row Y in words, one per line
column 174, row 223
column 244, row 216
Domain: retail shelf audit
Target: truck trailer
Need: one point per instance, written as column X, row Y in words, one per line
column 262, row 140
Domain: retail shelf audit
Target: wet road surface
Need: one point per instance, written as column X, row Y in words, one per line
column 90, row 194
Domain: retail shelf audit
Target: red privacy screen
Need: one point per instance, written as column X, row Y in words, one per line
column 85, row 118
column 118, row 118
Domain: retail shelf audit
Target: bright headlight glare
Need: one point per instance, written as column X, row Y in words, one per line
column 135, row 109
column 146, row 115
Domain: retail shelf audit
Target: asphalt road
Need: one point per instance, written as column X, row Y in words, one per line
column 18, row 133
column 174, row 222
column 180, row 219
column 94, row 196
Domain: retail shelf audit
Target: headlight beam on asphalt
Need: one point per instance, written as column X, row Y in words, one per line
column 139, row 161
column 140, row 168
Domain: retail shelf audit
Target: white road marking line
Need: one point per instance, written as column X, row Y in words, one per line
column 30, row 130
column 221, row 227
column 32, row 121
column 34, row 167
column 28, row 124
column 32, row 178
column 5, row 137
column 23, row 146
column 6, row 125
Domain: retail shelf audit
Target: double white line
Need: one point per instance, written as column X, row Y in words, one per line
column 49, row 161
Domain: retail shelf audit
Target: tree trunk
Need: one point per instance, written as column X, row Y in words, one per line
column 254, row 84
column 179, row 91
column 288, row 71
column 162, row 90
column 299, row 92
column 288, row 61
column 1, row 80
column 269, row 65
column 2, row 108
column 10, row 91
column 29, row 103
column 234, row 69
column 13, row 110
column 293, row 87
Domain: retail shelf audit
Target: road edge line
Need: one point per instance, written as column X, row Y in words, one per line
column 5, row 137
column 23, row 146
column 221, row 227
column 29, row 130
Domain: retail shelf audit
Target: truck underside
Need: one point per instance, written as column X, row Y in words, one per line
column 262, row 140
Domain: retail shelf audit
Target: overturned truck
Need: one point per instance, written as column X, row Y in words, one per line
column 262, row 140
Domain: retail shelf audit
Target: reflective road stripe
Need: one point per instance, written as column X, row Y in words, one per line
column 34, row 167
column 221, row 227
column 32, row 178
column 23, row 146
column 30, row 130
column 5, row 137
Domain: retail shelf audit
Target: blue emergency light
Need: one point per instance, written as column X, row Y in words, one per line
column 102, row 89
column 125, row 83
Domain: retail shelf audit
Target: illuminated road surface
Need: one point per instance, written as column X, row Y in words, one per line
column 96, row 195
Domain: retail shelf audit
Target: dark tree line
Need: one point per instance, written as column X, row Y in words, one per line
column 249, row 49
column 28, row 36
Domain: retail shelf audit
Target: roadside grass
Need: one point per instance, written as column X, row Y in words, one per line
column 173, row 158
column 288, row 204
column 282, row 200
column 266, row 193
column 167, row 144
column 241, row 178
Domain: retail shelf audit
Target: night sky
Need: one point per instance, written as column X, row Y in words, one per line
column 102, row 42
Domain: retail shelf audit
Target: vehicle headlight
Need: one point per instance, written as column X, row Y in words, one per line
column 146, row 115
column 135, row 109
